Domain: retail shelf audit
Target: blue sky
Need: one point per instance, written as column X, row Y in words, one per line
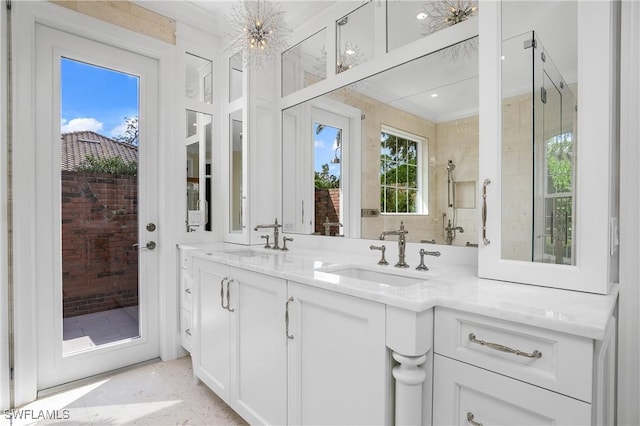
column 96, row 99
column 325, row 146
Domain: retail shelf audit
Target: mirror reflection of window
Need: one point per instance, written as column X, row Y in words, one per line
column 327, row 178
column 400, row 169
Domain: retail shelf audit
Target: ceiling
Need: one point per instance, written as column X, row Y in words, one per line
column 406, row 87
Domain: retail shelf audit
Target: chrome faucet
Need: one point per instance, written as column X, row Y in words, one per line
column 276, row 232
column 402, row 242
column 327, row 226
column 451, row 232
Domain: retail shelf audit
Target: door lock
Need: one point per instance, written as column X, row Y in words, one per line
column 149, row 246
column 151, row 227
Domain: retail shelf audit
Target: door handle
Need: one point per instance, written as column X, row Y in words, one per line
column 149, row 246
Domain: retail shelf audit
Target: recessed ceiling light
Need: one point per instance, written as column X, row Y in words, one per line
column 503, row 57
column 422, row 16
column 434, row 95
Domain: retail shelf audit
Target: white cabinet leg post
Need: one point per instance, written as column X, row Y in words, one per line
column 409, row 378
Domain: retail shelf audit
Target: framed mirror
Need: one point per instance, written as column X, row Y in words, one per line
column 386, row 149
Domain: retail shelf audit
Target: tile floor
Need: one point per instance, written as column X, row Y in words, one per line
column 87, row 331
column 157, row 393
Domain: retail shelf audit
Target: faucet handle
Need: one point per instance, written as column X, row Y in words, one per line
column 266, row 237
column 382, row 248
column 422, row 252
column 284, row 242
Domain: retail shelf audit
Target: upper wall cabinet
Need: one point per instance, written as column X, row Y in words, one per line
column 547, row 142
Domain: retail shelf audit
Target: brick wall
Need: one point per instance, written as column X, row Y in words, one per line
column 327, row 206
column 99, row 228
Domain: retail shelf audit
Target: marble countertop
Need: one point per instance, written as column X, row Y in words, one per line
column 446, row 285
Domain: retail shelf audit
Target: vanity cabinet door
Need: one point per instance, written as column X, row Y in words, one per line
column 211, row 324
column 468, row 395
column 338, row 369
column 258, row 347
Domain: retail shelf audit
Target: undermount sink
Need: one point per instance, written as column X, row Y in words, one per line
column 381, row 277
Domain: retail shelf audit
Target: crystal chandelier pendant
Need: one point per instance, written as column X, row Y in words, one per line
column 257, row 28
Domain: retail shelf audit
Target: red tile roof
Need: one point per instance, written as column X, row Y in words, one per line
column 77, row 146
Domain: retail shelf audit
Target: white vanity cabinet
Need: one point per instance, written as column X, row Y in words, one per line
column 239, row 347
column 338, row 370
column 490, row 371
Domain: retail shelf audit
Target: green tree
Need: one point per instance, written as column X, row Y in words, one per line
column 325, row 180
column 113, row 165
column 398, row 174
column 130, row 135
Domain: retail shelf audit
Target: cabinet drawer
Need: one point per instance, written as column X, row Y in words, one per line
column 185, row 329
column 565, row 364
column 468, row 395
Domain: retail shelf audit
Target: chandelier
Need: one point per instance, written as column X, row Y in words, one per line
column 446, row 13
column 257, row 27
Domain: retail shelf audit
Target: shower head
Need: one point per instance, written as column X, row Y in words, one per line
column 451, row 166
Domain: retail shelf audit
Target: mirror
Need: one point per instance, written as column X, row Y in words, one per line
column 305, row 63
column 198, row 92
column 539, row 138
column 408, row 135
column 235, row 77
column 199, row 158
column 236, row 172
column 354, row 38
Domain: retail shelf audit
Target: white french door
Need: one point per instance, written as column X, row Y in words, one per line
column 118, row 341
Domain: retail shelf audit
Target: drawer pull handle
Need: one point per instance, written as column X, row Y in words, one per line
column 502, row 348
column 188, row 332
column 470, row 418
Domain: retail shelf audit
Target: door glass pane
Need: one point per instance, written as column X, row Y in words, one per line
column 327, row 164
column 99, row 205
column 235, row 77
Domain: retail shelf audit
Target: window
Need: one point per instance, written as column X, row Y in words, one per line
column 401, row 172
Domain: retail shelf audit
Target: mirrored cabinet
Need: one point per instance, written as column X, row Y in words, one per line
column 250, row 163
column 546, row 146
